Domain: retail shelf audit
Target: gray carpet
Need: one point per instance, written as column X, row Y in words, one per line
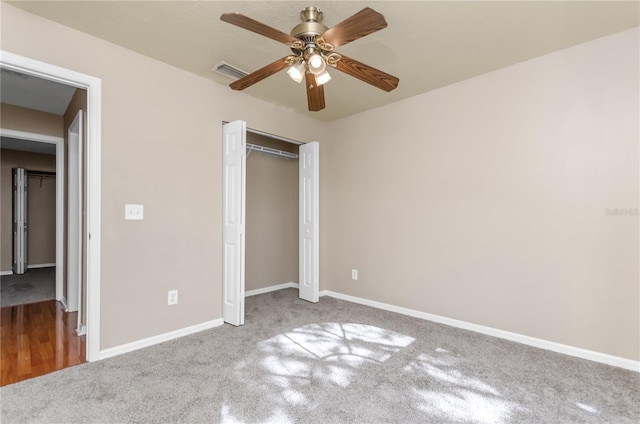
column 33, row 286
column 331, row 362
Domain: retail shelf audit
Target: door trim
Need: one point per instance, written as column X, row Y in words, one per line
column 93, row 86
column 74, row 217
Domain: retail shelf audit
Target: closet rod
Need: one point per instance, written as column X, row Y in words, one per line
column 39, row 174
column 270, row 151
column 273, row 136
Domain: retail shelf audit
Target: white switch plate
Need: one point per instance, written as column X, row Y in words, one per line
column 172, row 297
column 354, row 274
column 134, row 212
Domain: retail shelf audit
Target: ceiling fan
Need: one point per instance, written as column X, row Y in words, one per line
column 313, row 46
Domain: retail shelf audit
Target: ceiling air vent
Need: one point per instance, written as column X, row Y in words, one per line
column 229, row 71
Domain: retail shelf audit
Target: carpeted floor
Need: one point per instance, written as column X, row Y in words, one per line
column 331, row 362
column 35, row 285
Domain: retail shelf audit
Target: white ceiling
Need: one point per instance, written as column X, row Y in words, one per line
column 34, row 93
column 27, row 146
column 427, row 44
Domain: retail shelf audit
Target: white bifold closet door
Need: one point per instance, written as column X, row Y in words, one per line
column 19, row 220
column 309, row 214
column 234, row 159
column 233, row 221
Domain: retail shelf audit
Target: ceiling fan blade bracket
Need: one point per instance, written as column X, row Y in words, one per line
column 297, row 45
column 292, row 60
column 332, row 59
column 324, row 45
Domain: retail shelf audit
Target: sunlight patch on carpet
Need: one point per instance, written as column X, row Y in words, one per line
column 290, row 368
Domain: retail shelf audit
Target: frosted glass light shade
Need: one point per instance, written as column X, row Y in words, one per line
column 316, row 64
column 323, row 78
column 296, row 72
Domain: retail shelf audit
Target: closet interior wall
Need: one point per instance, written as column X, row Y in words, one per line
column 271, row 215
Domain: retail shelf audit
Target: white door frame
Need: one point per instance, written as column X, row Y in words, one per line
column 93, row 86
column 74, row 217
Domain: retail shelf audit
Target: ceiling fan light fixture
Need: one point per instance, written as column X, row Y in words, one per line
column 313, row 46
column 316, row 64
column 296, row 72
column 323, row 78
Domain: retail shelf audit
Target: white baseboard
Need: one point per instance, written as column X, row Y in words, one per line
column 63, row 300
column 270, row 289
column 590, row 355
column 33, row 266
column 150, row 341
column 10, row 272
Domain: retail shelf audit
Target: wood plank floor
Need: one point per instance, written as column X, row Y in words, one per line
column 37, row 339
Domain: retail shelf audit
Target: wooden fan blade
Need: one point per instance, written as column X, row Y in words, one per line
column 366, row 73
column 245, row 22
column 315, row 93
column 260, row 74
column 357, row 26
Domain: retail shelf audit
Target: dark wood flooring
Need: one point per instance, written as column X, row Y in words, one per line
column 36, row 339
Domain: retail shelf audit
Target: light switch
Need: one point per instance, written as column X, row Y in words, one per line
column 135, row 212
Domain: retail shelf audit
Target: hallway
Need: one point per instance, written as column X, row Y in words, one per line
column 37, row 339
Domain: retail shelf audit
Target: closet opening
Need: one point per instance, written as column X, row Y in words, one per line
column 270, row 217
column 271, row 260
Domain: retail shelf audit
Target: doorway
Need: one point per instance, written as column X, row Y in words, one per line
column 38, row 332
column 92, row 85
column 234, row 158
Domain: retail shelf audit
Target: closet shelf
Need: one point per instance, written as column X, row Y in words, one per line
column 270, row 151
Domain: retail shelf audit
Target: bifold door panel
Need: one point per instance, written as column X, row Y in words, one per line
column 19, row 220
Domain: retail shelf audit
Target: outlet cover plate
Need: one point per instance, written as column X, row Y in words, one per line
column 134, row 212
column 172, row 297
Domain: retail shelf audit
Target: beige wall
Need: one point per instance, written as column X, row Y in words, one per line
column 29, row 120
column 272, row 220
column 41, row 241
column 161, row 147
column 485, row 201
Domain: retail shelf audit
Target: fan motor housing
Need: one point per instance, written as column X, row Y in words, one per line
column 311, row 26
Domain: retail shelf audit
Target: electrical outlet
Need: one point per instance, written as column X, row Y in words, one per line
column 354, row 274
column 172, row 298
